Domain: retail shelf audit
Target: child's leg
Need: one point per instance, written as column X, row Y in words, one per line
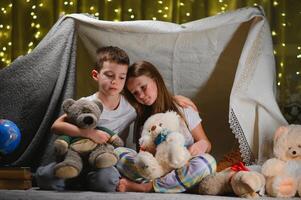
column 178, row 180
column 46, row 180
column 103, row 180
column 126, row 164
column 185, row 178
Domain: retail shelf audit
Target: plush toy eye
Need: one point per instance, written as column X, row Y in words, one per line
column 299, row 146
column 160, row 124
column 289, row 148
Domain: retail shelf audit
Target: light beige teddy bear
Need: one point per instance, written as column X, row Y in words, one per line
column 238, row 179
column 283, row 173
column 160, row 131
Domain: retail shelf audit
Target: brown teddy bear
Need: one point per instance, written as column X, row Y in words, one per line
column 84, row 114
column 237, row 179
column 283, row 172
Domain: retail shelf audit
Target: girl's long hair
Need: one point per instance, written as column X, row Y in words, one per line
column 164, row 101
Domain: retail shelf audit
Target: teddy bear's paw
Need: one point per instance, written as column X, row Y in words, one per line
column 248, row 184
column 103, row 156
column 60, row 147
column 254, row 180
column 105, row 160
column 66, row 171
column 70, row 167
column 281, row 186
column 288, row 188
column 148, row 166
column 252, row 195
column 178, row 157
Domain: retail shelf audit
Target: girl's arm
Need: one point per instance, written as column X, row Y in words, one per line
column 201, row 141
column 61, row 126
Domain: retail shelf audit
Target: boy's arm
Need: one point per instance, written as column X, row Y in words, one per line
column 61, row 126
column 185, row 102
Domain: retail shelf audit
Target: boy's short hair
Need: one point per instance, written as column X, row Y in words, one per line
column 111, row 54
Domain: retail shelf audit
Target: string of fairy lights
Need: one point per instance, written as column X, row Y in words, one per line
column 115, row 10
column 35, row 25
column 5, row 35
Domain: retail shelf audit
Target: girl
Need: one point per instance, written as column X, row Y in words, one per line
column 146, row 90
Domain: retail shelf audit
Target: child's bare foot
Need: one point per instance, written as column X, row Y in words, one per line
column 126, row 185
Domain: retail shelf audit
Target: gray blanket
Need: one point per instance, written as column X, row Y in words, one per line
column 32, row 90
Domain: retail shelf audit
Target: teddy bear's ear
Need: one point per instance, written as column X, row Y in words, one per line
column 99, row 104
column 279, row 143
column 67, row 103
column 280, row 131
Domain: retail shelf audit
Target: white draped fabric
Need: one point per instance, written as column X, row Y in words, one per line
column 225, row 63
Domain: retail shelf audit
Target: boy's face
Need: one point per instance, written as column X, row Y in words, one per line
column 111, row 78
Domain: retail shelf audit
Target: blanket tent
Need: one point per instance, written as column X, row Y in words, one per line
column 224, row 63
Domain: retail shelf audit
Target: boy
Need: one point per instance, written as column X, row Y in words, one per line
column 110, row 74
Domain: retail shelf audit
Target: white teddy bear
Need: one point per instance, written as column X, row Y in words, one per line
column 161, row 131
column 283, row 173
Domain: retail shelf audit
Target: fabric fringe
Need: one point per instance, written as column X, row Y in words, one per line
column 245, row 150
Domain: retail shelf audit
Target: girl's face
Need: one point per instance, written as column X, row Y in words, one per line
column 111, row 78
column 144, row 89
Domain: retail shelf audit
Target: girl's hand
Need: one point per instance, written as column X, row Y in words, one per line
column 185, row 102
column 97, row 136
column 198, row 148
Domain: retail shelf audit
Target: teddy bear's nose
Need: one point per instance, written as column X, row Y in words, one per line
column 88, row 120
column 294, row 152
column 153, row 128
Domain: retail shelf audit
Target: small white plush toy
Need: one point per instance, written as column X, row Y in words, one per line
column 161, row 131
column 283, row 172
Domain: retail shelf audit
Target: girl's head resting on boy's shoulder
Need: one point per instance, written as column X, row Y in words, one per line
column 146, row 90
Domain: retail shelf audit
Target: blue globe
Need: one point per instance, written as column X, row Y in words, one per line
column 10, row 136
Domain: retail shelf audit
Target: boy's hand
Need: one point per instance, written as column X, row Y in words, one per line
column 185, row 102
column 151, row 150
column 97, row 136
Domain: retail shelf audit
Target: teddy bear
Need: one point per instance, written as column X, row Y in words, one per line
column 85, row 114
column 283, row 171
column 238, row 179
column 161, row 131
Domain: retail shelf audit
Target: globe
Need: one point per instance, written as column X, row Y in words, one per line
column 10, row 136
